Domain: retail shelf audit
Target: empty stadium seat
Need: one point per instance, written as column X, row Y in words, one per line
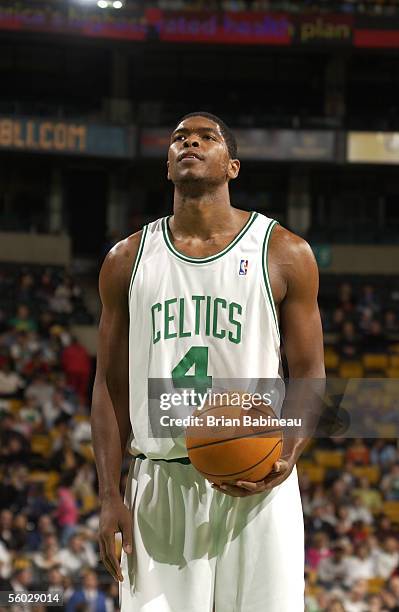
column 371, row 472
column 350, row 369
column 377, row 361
column 329, row 459
column 391, row 509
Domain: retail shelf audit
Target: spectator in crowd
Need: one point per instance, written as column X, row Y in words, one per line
column 67, row 513
column 358, row 453
column 346, row 299
column 369, row 300
column 89, row 595
column 11, row 383
column 22, row 321
column 333, row 569
column 370, row 496
column 77, row 555
column 5, row 561
column 375, row 341
column 390, row 484
column 319, row 550
column 359, row 566
column 386, row 558
column 77, row 367
column 355, row 600
column 391, row 323
column 46, row 558
column 43, row 528
column 348, row 343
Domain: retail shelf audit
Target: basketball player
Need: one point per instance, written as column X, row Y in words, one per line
column 205, row 292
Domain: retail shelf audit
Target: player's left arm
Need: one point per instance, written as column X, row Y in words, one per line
column 300, row 325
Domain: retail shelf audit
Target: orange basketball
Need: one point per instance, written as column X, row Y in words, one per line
column 229, row 443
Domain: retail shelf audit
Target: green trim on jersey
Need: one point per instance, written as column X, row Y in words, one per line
column 265, row 253
column 203, row 260
column 138, row 257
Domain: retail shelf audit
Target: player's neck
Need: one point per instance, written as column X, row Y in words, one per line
column 203, row 214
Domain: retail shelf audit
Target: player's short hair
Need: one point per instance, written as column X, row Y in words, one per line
column 227, row 133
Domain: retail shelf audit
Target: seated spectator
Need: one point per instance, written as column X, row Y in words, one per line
column 57, row 406
column 11, row 384
column 47, row 557
column 39, row 389
column 391, row 323
column 333, row 569
column 43, row 528
column 370, row 496
column 384, row 528
column 355, row 601
column 344, row 523
column 346, row 299
column 348, row 343
column 319, row 550
column 22, row 321
column 89, row 595
column 20, row 531
column 77, row 555
column 5, row 561
column 369, row 300
column 390, row 594
column 360, row 565
column 358, row 453
column 37, row 503
column 383, row 453
column 390, row 484
column 76, row 364
column 376, row 604
column 386, row 558
column 338, row 319
column 66, row 513
column 375, row 341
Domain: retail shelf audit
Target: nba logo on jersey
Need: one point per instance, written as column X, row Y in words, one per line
column 243, row 267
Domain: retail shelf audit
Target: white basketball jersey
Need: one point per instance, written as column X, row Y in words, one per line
column 202, row 318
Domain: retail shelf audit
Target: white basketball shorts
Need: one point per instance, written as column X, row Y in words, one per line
column 198, row 550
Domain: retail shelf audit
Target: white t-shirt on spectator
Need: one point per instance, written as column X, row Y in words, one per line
column 385, row 563
column 72, row 563
column 5, row 561
column 359, row 568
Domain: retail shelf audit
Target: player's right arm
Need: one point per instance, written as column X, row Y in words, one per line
column 110, row 420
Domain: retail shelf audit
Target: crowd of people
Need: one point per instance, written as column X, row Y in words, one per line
column 49, row 509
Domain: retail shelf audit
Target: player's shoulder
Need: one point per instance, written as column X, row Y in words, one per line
column 288, row 247
column 124, row 252
column 119, row 261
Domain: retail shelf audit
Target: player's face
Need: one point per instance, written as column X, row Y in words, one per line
column 198, row 152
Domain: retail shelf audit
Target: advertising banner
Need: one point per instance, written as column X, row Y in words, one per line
column 373, row 147
column 54, row 136
column 258, row 144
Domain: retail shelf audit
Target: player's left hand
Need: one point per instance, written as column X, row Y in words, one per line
column 242, row 488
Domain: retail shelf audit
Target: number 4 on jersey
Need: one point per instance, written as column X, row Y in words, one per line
column 196, row 356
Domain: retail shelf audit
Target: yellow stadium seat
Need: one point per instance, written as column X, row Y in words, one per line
column 377, row 361
column 394, row 348
column 15, row 405
column 371, row 472
column 391, row 509
column 331, row 359
column 386, row 430
column 394, row 361
column 375, row 585
column 329, row 459
column 315, row 473
column 392, row 372
column 41, row 445
column 350, row 369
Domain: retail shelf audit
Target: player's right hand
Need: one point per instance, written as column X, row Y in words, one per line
column 115, row 517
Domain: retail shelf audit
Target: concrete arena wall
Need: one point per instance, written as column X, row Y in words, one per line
column 27, row 248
